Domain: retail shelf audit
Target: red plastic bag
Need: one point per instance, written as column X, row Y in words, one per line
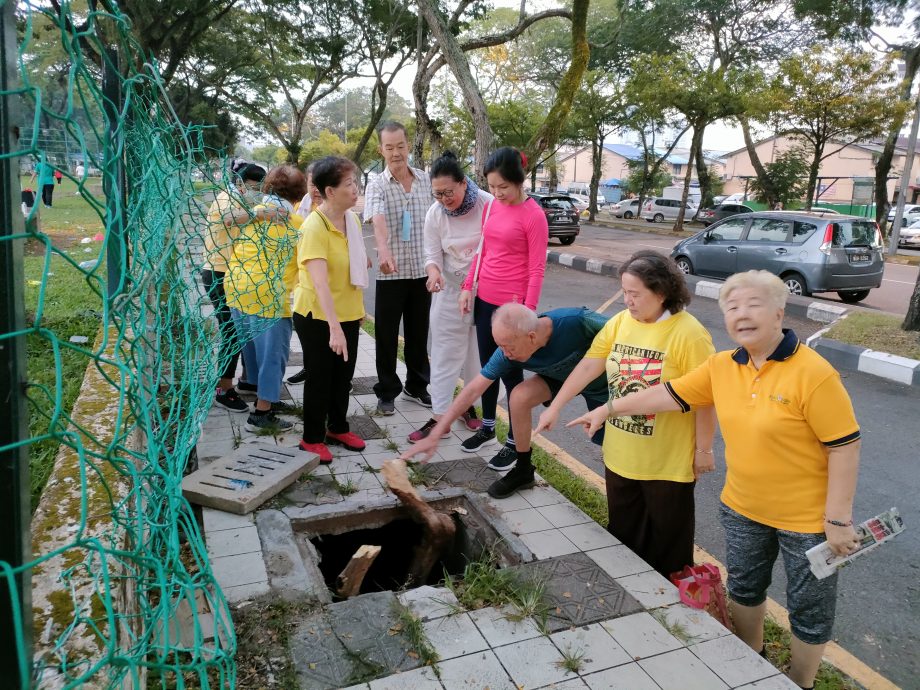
column 700, row 587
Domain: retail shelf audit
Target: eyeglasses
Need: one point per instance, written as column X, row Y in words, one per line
column 446, row 194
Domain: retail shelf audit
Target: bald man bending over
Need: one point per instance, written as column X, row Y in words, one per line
column 550, row 345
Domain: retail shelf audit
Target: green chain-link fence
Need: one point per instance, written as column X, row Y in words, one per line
column 133, row 561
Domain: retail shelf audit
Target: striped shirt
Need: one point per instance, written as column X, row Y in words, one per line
column 386, row 196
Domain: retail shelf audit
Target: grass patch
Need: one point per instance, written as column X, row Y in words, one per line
column 877, row 331
column 71, row 214
column 572, row 660
column 415, row 631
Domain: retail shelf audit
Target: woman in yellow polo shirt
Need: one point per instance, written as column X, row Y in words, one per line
column 261, row 273
column 792, row 458
column 651, row 462
column 329, row 306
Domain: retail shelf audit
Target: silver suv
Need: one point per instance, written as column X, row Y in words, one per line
column 810, row 252
column 658, row 210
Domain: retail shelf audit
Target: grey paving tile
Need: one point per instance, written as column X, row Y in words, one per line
column 526, row 521
column 651, row 589
column 589, row 536
column 641, row 635
column 540, row 496
column 571, row 684
column 232, row 542
column 513, row 502
column 564, row 515
column 548, row 543
column 533, row 663
column 243, row 592
column 501, row 626
column 598, row 650
column 455, row 636
column 732, row 660
column 626, row 677
column 427, row 602
column 417, row 679
column 476, row 671
column 619, row 561
column 216, row 520
column 777, row 682
column 680, row 670
column 698, row 625
column 244, row 569
column 471, row 473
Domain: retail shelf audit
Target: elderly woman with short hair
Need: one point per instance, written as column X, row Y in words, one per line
column 792, row 456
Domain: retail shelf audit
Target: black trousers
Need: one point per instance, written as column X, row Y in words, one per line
column 213, row 282
column 482, row 316
column 47, row 194
column 325, row 400
column 407, row 301
column 654, row 518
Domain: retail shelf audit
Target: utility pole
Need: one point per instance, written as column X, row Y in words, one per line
column 905, row 180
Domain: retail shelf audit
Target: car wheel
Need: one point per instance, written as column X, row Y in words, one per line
column 852, row 296
column 685, row 265
column 567, row 240
column 795, row 283
column 658, row 218
column 628, row 215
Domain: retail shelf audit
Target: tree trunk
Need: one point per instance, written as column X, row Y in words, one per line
column 553, row 174
column 597, row 160
column 911, row 57
column 695, row 144
column 763, row 177
column 460, row 67
column 912, row 319
column 547, row 136
column 813, row 170
column 702, row 176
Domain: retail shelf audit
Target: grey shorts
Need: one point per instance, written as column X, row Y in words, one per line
column 751, row 551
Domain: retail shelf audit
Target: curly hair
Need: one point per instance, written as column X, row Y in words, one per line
column 287, row 182
column 660, row 275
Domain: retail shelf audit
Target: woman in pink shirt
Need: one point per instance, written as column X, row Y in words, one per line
column 511, row 267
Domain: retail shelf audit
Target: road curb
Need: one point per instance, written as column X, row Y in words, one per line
column 842, row 356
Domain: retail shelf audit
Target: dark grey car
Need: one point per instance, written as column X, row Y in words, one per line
column 708, row 216
column 810, row 252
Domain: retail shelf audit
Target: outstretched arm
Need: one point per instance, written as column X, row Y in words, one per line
column 583, row 374
column 654, row 399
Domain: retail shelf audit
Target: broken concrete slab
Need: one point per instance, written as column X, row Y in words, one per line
column 290, row 575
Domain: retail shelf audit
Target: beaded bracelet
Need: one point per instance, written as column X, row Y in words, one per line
column 837, row 523
column 707, row 452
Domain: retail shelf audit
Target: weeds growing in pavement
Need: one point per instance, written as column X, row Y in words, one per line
column 572, row 660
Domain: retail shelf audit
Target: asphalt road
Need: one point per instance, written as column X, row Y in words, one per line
column 616, row 244
column 878, row 613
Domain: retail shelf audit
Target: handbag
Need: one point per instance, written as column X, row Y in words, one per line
column 482, row 237
column 700, row 587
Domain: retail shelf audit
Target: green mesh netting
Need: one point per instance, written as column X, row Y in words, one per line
column 134, row 562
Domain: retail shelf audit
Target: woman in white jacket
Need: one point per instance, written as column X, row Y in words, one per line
column 453, row 230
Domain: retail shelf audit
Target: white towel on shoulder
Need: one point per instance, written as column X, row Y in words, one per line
column 357, row 254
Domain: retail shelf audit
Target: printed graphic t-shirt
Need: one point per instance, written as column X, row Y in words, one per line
column 640, row 355
column 574, row 329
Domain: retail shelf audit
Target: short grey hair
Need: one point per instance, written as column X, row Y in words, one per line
column 516, row 318
column 766, row 283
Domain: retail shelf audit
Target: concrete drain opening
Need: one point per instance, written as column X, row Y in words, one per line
column 338, row 542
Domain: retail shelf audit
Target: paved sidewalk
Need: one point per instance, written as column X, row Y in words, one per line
column 609, row 610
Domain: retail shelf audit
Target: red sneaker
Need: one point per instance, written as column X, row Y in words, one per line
column 473, row 423
column 418, row 435
column 348, row 439
column 320, row 449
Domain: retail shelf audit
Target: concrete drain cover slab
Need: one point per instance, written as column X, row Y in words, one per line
column 365, row 427
column 352, row 641
column 363, row 385
column 578, row 592
column 471, row 473
column 241, row 482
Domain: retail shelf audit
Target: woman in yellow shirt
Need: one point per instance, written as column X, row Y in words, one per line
column 329, row 306
column 260, row 276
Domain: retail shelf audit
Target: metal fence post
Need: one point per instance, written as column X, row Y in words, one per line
column 113, row 174
column 15, row 509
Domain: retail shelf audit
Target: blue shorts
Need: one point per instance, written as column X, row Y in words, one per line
column 592, row 403
column 751, row 551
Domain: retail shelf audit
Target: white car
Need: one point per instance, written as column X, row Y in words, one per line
column 911, row 213
column 627, row 208
column 909, row 237
column 583, row 200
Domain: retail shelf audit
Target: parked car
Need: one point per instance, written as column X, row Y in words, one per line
column 582, row 200
column 810, row 252
column 708, row 216
column 626, row 208
column 657, row 210
column 561, row 215
column 911, row 213
column 909, row 237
